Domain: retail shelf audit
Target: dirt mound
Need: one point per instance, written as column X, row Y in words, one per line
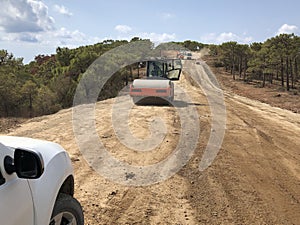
column 8, row 124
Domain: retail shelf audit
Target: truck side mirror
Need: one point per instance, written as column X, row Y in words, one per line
column 27, row 164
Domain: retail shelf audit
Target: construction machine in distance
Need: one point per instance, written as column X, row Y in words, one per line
column 157, row 86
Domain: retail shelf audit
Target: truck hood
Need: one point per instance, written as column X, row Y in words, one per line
column 46, row 148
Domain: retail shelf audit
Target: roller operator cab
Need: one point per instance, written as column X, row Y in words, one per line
column 158, row 83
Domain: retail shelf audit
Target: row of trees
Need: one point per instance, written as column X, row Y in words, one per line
column 48, row 83
column 277, row 58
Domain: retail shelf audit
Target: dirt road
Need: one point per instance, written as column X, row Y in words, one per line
column 255, row 178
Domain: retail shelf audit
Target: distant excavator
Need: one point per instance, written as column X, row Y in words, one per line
column 158, row 83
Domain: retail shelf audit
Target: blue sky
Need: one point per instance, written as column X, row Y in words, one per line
column 32, row 27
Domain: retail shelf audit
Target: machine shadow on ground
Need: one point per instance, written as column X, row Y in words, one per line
column 163, row 102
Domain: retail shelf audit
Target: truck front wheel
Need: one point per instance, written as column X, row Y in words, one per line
column 67, row 210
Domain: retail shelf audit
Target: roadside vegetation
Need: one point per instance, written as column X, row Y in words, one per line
column 275, row 61
column 48, row 83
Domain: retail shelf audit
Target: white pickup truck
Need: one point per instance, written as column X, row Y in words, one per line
column 36, row 184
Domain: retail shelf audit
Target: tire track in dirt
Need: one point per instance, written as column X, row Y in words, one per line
column 275, row 154
column 254, row 179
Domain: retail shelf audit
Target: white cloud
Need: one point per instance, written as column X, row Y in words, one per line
column 158, row 38
column 28, row 22
column 29, row 45
column 287, row 29
column 154, row 37
column 27, row 37
column 25, row 16
column 123, row 28
column 72, row 38
column 65, row 37
column 62, row 10
column 54, row 38
column 225, row 37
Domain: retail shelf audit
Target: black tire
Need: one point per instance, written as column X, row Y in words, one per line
column 66, row 210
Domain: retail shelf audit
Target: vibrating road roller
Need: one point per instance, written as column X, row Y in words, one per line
column 158, row 83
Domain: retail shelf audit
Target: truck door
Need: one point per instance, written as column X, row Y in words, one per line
column 174, row 68
column 16, row 206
